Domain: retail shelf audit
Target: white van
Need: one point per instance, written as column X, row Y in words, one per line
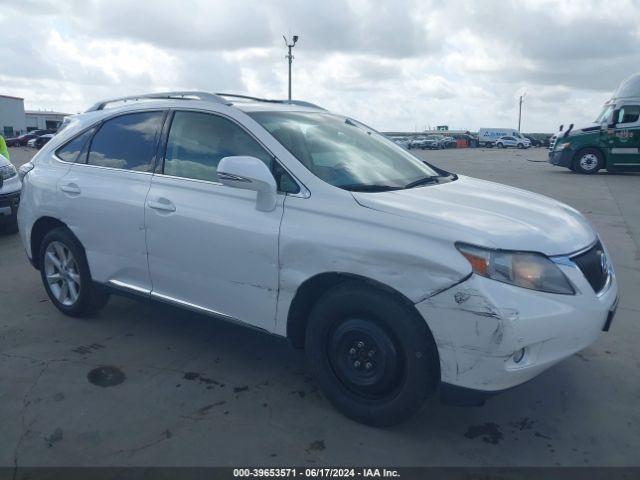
column 487, row 136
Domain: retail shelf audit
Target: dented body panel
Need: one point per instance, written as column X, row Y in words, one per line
column 248, row 265
column 317, row 236
column 479, row 324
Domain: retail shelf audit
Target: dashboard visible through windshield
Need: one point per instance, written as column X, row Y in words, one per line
column 346, row 153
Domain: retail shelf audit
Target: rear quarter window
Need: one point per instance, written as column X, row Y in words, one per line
column 71, row 151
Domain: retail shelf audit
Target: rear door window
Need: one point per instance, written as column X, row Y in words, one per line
column 127, row 142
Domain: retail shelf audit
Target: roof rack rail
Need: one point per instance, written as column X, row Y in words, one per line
column 300, row 103
column 204, row 96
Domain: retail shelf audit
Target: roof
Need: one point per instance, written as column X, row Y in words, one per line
column 12, row 98
column 44, row 112
column 242, row 102
column 629, row 87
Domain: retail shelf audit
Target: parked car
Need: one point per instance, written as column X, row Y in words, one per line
column 487, row 137
column 533, row 140
column 10, row 187
column 418, row 142
column 401, row 141
column 435, row 142
column 40, row 141
column 449, row 142
column 431, row 142
column 399, row 279
column 21, row 141
column 424, row 143
column 509, row 141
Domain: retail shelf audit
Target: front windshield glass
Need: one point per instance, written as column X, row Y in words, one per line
column 343, row 152
column 605, row 114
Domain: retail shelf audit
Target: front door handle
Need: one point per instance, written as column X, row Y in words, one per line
column 162, row 204
column 70, row 188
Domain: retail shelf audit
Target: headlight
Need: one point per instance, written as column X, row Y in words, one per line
column 8, row 171
column 564, row 146
column 523, row 269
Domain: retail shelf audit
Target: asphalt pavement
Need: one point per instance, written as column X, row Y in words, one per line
column 146, row 384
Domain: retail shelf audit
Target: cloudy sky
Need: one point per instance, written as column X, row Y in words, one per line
column 396, row 65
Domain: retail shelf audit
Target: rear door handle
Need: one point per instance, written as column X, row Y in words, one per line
column 162, row 204
column 70, row 188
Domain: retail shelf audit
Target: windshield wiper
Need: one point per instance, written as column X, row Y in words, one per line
column 423, row 181
column 356, row 187
column 431, row 179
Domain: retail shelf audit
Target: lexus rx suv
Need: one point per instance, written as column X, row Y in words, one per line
column 399, row 280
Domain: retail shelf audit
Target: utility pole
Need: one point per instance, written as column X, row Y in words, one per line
column 290, row 45
column 520, row 110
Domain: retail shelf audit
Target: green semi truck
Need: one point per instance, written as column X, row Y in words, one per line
column 612, row 142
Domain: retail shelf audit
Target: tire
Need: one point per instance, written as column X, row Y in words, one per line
column 588, row 161
column 520, row 146
column 499, row 145
column 373, row 356
column 72, row 270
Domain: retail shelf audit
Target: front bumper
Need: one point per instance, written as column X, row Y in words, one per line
column 480, row 323
column 9, row 203
column 561, row 158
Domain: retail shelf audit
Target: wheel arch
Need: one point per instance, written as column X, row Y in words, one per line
column 312, row 289
column 40, row 228
column 599, row 149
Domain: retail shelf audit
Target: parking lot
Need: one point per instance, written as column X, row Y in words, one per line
column 200, row 391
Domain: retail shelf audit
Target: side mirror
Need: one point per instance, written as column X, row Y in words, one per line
column 250, row 173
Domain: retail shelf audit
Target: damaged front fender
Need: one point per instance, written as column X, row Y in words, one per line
column 479, row 325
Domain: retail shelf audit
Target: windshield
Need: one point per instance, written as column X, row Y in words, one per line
column 605, row 113
column 343, row 152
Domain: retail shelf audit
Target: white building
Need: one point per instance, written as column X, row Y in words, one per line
column 12, row 116
column 43, row 119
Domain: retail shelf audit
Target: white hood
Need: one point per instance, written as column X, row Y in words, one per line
column 504, row 217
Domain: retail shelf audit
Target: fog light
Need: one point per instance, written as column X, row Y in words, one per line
column 518, row 356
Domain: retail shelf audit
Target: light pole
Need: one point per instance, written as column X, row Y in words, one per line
column 520, row 110
column 290, row 56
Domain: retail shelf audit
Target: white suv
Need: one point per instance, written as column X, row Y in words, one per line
column 511, row 141
column 396, row 277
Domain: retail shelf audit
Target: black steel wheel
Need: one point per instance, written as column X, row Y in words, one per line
column 364, row 358
column 372, row 354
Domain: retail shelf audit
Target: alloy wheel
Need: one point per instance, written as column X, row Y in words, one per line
column 62, row 273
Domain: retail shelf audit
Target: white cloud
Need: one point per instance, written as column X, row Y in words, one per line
column 394, row 65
